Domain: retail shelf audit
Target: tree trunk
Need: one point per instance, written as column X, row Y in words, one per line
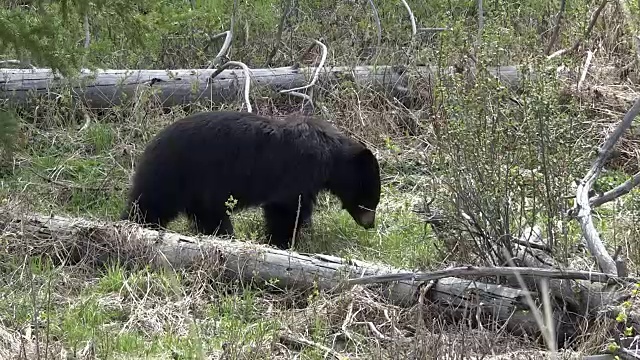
column 95, row 243
column 106, row 88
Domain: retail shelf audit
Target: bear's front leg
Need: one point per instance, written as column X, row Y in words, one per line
column 280, row 219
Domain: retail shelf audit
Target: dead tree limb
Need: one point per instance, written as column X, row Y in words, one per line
column 616, row 192
column 412, row 18
column 276, row 43
column 582, row 209
column 480, row 26
column 526, row 272
column 592, row 23
column 224, row 50
column 247, row 76
column 107, row 88
column 556, row 27
column 87, row 32
column 585, row 69
column 316, row 72
column 16, row 62
column 376, row 18
column 67, row 240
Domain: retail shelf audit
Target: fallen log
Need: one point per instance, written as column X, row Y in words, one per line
column 68, row 240
column 107, row 88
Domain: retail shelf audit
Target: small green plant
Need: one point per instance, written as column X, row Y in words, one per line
column 230, row 204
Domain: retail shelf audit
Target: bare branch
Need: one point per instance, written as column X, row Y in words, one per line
column 587, row 62
column 435, row 29
column 557, row 53
column 225, row 47
column 547, row 335
column 316, row 73
column 87, row 34
column 289, row 338
column 412, row 18
column 376, row 17
column 582, row 209
column 592, row 23
column 16, row 62
column 278, row 40
column 480, row 25
column 616, row 192
column 556, row 27
column 491, row 271
column 247, row 79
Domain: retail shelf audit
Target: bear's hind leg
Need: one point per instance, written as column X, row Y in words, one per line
column 280, row 220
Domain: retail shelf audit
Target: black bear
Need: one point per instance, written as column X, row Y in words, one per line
column 196, row 164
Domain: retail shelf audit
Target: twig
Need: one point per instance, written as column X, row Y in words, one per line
column 278, row 40
column 68, row 185
column 295, row 225
column 434, row 29
column 616, row 192
column 316, row 73
column 376, row 17
column 225, row 47
column 582, row 209
column 587, row 62
column 491, row 271
column 247, row 79
column 556, row 27
column 289, row 338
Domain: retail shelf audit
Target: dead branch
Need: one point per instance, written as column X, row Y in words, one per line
column 316, row 73
column 582, row 209
column 106, row 88
column 616, row 192
column 412, row 18
column 556, row 27
column 376, row 17
column 473, row 271
column 480, row 25
column 247, row 81
column 587, row 63
column 276, row 43
column 93, row 243
column 16, row 62
column 290, row 339
column 592, row 23
column 434, row 29
column 224, row 50
column 87, row 34
column 543, row 325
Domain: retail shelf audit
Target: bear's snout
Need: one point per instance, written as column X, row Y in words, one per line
column 366, row 219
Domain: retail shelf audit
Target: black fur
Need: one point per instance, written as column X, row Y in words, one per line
column 195, row 164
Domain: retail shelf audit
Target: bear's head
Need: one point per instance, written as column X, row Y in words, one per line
column 356, row 181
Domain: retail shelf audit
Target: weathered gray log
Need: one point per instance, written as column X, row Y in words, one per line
column 106, row 88
column 98, row 242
